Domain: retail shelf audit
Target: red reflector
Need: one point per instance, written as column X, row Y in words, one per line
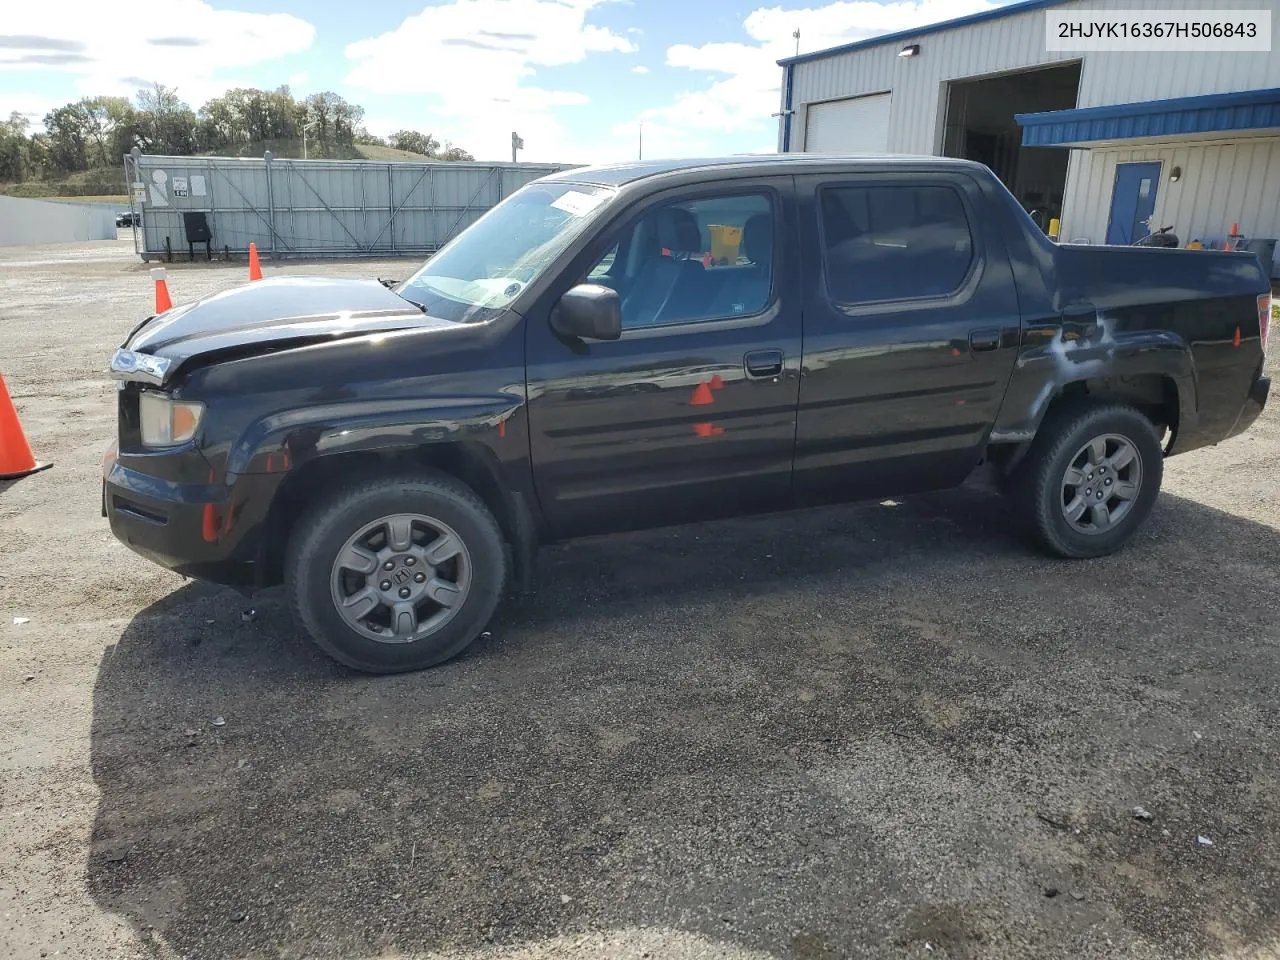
column 1235, row 341
column 209, row 524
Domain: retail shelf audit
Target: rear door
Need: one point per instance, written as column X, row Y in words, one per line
column 692, row 413
column 911, row 330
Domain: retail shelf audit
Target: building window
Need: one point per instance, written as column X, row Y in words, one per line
column 894, row 243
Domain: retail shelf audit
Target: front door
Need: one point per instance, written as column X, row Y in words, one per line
column 1133, row 201
column 692, row 413
column 911, row 330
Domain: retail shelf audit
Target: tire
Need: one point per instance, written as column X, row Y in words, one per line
column 437, row 507
column 1047, row 496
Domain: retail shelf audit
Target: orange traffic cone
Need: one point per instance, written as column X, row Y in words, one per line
column 707, row 430
column 701, row 396
column 163, row 302
column 717, row 382
column 16, row 459
column 255, row 268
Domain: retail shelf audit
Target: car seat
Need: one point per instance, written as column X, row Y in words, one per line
column 665, row 286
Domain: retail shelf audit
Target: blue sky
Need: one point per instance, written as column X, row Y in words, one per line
column 576, row 78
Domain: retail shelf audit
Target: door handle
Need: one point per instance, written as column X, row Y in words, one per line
column 761, row 364
column 980, row 340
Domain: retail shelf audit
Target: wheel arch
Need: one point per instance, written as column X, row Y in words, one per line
column 1157, row 396
column 469, row 462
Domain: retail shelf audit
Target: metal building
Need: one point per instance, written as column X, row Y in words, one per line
column 313, row 207
column 1112, row 142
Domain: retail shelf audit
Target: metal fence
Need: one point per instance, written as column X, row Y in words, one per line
column 315, row 208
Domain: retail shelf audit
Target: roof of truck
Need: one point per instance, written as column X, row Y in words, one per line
column 617, row 174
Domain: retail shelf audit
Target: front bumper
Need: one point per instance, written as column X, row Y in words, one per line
column 1254, row 404
column 207, row 531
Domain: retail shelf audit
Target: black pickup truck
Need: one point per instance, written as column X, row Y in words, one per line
column 653, row 343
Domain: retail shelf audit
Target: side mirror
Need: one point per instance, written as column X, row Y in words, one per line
column 589, row 311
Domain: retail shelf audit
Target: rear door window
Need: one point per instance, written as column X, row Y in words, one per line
column 894, row 242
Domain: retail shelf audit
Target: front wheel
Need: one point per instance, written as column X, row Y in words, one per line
column 396, row 574
column 1090, row 479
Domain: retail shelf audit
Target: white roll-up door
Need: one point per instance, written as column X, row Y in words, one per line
column 856, row 125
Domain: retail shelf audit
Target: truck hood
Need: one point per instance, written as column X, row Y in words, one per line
column 277, row 312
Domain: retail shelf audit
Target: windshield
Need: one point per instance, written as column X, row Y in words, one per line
column 485, row 267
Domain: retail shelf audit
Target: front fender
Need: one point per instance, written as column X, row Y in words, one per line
column 1055, row 356
column 285, row 440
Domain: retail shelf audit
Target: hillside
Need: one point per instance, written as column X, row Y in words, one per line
column 292, row 150
column 109, row 181
column 373, row 151
column 100, row 181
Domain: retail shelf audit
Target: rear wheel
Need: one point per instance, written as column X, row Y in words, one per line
column 396, row 574
column 1090, row 479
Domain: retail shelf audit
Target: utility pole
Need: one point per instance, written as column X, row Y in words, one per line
column 640, row 152
column 517, row 143
column 796, row 34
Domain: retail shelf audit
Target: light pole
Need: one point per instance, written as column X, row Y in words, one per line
column 305, row 128
column 796, row 34
column 640, row 150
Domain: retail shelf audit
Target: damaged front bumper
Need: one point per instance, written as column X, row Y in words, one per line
column 208, row 531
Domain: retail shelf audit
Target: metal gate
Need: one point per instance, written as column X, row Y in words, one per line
column 315, row 208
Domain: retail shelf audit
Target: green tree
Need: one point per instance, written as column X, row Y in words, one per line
column 103, row 116
column 414, row 142
column 15, row 148
column 331, row 121
column 454, row 154
column 67, row 130
column 166, row 124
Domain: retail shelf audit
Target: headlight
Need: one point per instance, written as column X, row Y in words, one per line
column 167, row 422
column 143, row 367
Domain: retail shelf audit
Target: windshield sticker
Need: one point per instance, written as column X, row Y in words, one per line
column 578, row 204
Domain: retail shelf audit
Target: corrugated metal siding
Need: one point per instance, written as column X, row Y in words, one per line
column 25, row 221
column 1223, row 182
column 322, row 207
column 1012, row 43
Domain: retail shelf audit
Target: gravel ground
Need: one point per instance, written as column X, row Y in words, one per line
column 873, row 731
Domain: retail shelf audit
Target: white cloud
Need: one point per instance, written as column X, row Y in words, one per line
column 479, row 60
column 640, row 68
column 469, row 51
column 182, row 43
column 300, row 78
column 745, row 90
column 29, row 105
column 660, row 140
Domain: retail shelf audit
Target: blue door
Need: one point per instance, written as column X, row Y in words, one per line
column 1133, row 200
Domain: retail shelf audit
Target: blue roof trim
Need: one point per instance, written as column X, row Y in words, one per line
column 1211, row 113
column 1010, row 10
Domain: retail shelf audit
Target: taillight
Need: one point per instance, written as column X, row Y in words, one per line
column 1264, row 318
